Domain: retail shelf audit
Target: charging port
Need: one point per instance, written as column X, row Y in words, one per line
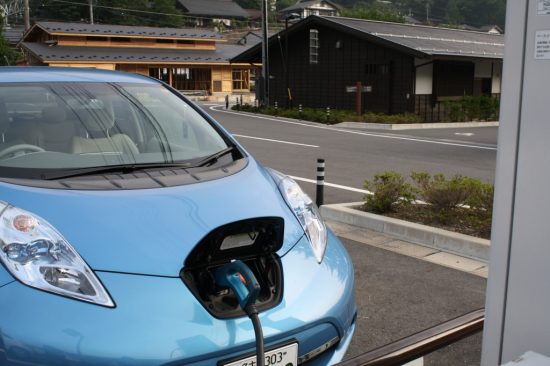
column 253, row 241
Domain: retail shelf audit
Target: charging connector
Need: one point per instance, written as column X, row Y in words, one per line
column 237, row 276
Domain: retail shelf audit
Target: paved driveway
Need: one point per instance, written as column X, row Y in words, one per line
column 399, row 295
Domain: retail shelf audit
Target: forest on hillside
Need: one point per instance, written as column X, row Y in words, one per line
column 168, row 14
column 454, row 12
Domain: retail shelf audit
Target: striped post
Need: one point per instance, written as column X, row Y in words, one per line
column 320, row 182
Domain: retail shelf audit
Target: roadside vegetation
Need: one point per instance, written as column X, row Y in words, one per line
column 465, row 109
column 8, row 56
column 458, row 203
column 330, row 116
column 468, row 108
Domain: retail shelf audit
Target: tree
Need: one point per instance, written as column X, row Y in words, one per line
column 375, row 11
column 54, row 10
column 249, row 4
column 8, row 56
column 150, row 13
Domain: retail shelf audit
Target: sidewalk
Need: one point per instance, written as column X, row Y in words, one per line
column 372, row 126
column 413, row 126
column 383, row 241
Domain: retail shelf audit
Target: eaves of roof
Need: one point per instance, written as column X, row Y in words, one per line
column 83, row 29
column 81, row 54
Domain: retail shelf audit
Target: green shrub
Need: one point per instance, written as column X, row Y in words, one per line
column 454, row 111
column 470, row 108
column 444, row 195
column 389, row 191
column 335, row 116
column 391, row 118
column 481, row 206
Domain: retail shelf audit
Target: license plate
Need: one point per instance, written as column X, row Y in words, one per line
column 284, row 356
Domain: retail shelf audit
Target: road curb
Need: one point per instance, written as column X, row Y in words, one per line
column 371, row 126
column 447, row 241
column 412, row 126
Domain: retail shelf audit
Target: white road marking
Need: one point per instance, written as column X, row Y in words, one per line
column 393, row 137
column 345, row 188
column 271, row 140
column 464, row 133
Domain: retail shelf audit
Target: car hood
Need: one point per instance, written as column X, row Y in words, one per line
column 151, row 231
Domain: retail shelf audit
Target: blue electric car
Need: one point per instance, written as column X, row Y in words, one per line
column 135, row 230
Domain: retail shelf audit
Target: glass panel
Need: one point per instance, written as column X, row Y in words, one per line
column 75, row 125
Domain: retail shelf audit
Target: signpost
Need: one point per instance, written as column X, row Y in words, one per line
column 359, row 89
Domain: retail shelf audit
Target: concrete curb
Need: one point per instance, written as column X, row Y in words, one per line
column 373, row 126
column 447, row 241
column 412, row 126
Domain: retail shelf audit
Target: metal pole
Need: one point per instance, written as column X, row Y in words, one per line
column 286, row 64
column 265, row 55
column 422, row 343
column 91, row 11
column 319, row 198
column 26, row 15
column 359, row 100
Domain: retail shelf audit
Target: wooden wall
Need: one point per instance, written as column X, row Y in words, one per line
column 453, row 78
column 343, row 61
column 85, row 65
column 128, row 42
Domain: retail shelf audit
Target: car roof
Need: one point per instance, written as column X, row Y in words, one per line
column 18, row 74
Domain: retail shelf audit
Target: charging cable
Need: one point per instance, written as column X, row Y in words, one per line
column 237, row 276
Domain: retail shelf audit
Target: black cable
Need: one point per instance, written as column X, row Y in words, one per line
column 253, row 315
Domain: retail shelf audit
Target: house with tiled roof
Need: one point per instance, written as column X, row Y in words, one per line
column 306, row 8
column 207, row 12
column 401, row 67
column 191, row 60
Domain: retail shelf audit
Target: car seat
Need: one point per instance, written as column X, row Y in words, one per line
column 96, row 123
column 56, row 132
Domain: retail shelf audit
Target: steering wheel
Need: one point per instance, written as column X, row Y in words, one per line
column 19, row 149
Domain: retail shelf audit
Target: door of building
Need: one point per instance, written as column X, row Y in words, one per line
column 378, row 82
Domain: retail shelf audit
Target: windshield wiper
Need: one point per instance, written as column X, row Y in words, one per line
column 122, row 168
column 213, row 158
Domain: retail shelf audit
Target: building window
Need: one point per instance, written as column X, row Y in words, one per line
column 183, row 78
column 377, row 69
column 240, row 79
column 313, row 46
column 120, row 39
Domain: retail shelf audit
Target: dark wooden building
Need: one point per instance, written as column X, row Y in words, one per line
column 405, row 68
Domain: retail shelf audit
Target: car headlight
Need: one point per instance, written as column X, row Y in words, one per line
column 38, row 256
column 306, row 212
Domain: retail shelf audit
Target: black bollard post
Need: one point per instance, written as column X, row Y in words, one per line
column 319, row 199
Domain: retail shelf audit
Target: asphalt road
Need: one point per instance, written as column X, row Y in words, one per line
column 398, row 296
column 352, row 156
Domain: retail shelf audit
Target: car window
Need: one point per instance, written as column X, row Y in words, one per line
column 78, row 125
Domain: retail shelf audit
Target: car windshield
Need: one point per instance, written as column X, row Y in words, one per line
column 60, row 126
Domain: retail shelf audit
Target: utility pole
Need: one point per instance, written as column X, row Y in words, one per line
column 90, row 4
column 265, row 56
column 427, row 12
column 26, row 14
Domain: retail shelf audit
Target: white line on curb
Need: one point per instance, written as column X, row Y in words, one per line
column 346, row 188
column 214, row 108
column 271, row 140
